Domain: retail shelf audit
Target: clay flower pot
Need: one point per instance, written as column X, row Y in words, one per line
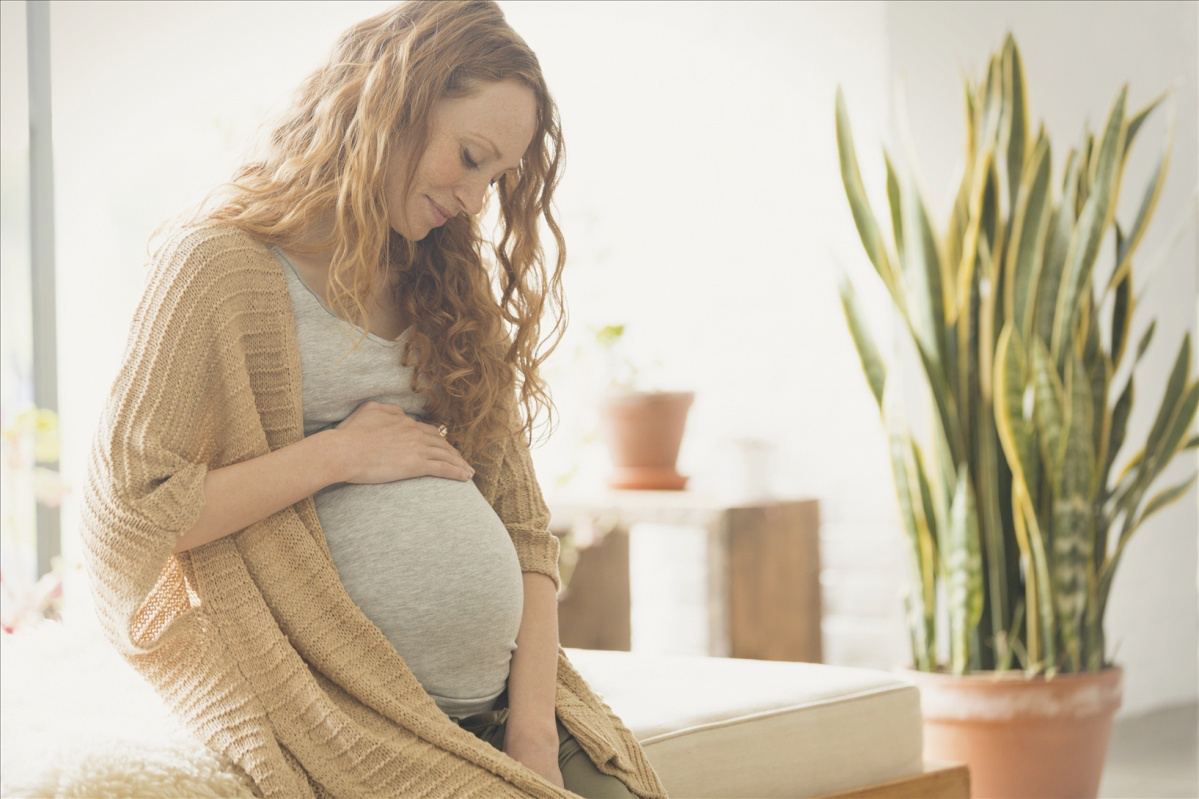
column 1021, row 737
column 644, row 431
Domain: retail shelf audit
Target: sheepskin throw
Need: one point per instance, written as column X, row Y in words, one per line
column 252, row 640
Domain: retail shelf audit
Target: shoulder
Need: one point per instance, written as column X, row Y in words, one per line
column 215, row 252
column 215, row 259
column 205, row 274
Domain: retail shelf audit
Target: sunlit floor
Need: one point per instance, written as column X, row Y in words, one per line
column 1154, row 756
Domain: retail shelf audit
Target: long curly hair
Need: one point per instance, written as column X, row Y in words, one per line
column 476, row 341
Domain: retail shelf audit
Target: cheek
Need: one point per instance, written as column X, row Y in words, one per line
column 438, row 172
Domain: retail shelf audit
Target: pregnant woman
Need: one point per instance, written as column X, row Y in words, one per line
column 311, row 521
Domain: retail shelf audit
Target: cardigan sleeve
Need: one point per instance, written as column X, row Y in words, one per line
column 145, row 483
column 521, row 507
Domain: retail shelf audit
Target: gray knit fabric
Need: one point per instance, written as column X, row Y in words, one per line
column 426, row 559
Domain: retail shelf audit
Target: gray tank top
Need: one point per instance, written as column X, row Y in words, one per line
column 426, row 559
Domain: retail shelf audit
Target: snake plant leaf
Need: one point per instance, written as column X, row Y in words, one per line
column 859, row 204
column 964, row 567
column 1029, row 227
column 1073, row 521
column 1099, row 374
column 894, row 200
column 1016, row 432
column 1192, row 443
column 1170, row 408
column 1146, row 337
column 1180, row 423
column 1042, row 626
column 934, row 518
column 1165, row 498
column 1157, row 503
column 1057, row 242
column 971, row 120
column 1088, row 325
column 1015, row 99
column 1149, row 198
column 1174, row 419
column 991, row 228
column 923, row 277
column 921, row 557
column 1049, row 412
column 992, row 103
column 1121, row 316
column 1119, row 425
column 1092, row 223
column 872, row 362
column 1138, row 119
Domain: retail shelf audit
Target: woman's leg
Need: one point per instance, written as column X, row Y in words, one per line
column 579, row 774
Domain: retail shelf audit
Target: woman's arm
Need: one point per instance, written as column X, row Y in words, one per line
column 531, row 735
column 377, row 443
column 239, row 495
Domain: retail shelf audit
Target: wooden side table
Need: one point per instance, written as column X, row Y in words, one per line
column 763, row 570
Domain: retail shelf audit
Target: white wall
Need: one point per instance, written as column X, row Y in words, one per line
column 1076, row 56
column 703, row 208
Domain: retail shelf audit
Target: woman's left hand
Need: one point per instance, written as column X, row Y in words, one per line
column 540, row 755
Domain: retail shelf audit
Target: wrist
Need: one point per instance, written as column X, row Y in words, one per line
column 532, row 728
column 330, row 454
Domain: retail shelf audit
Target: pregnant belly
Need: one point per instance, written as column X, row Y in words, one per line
column 433, row 567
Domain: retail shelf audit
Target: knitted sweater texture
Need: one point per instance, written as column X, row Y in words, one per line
column 251, row 639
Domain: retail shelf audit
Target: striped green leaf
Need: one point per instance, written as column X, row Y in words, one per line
column 1138, row 119
column 1029, row 228
column 1049, row 412
column 1169, row 413
column 1121, row 317
column 1057, row 242
column 1149, row 198
column 894, row 201
column 1015, row 99
column 1073, row 521
column 1092, row 223
column 923, row 275
column 872, row 362
column 859, row 204
column 922, row 565
column 1016, row 432
column 964, row 567
column 1166, row 497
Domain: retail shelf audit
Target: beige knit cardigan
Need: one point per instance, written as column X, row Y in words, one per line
column 252, row 640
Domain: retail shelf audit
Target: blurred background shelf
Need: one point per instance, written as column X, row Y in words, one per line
column 682, row 572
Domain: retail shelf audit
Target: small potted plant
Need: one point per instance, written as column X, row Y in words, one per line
column 1015, row 518
column 643, row 429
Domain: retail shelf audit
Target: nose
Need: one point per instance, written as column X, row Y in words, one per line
column 470, row 193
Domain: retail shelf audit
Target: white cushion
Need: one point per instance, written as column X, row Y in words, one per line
column 76, row 720
column 753, row 728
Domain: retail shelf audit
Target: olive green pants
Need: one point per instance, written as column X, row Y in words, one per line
column 578, row 772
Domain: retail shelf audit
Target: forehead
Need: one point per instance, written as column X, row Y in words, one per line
column 503, row 112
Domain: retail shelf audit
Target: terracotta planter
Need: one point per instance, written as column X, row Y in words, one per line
column 1021, row 737
column 644, row 432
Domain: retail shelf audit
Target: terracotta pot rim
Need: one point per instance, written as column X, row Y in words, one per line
column 1009, row 676
column 620, row 394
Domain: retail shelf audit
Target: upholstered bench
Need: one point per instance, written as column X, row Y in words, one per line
column 76, row 721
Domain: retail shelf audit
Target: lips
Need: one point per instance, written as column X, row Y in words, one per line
column 440, row 215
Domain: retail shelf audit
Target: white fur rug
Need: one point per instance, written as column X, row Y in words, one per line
column 77, row 721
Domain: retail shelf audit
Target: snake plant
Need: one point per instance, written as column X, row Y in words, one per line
column 1015, row 521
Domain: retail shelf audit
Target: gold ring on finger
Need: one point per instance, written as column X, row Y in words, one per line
column 442, row 430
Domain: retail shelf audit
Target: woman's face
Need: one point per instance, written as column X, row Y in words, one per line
column 472, row 141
